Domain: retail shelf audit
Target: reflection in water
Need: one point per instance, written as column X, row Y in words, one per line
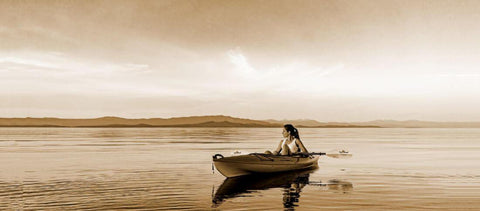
column 291, row 182
column 292, row 194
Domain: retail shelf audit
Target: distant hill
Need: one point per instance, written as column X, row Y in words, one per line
column 419, row 124
column 315, row 124
column 222, row 121
column 380, row 123
column 194, row 121
column 303, row 122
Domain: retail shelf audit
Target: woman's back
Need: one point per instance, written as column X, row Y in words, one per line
column 292, row 145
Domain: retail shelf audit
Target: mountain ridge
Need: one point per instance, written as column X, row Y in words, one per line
column 221, row 121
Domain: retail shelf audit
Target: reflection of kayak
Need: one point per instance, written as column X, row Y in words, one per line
column 291, row 183
column 262, row 163
column 235, row 187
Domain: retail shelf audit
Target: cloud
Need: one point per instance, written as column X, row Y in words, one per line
column 240, row 61
column 26, row 62
column 56, row 63
column 472, row 76
column 54, row 72
column 286, row 76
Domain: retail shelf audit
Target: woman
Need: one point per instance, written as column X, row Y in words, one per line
column 291, row 144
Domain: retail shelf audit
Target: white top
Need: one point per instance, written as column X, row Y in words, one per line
column 293, row 146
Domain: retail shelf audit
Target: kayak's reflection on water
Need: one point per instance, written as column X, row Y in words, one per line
column 291, row 182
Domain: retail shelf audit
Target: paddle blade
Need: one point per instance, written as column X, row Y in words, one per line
column 341, row 154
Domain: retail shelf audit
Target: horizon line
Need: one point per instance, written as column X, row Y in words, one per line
column 221, row 115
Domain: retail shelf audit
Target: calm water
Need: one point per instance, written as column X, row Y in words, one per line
column 170, row 168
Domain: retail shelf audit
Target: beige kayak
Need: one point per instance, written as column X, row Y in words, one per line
column 262, row 163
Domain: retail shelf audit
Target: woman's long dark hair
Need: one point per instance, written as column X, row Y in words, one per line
column 292, row 130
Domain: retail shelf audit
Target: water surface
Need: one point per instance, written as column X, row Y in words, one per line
column 170, row 168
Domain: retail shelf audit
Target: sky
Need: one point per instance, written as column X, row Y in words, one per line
column 322, row 60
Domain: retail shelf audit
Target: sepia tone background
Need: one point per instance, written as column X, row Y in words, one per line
column 351, row 75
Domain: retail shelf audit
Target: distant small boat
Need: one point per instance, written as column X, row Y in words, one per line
column 256, row 163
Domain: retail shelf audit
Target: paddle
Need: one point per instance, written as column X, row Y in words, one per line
column 342, row 154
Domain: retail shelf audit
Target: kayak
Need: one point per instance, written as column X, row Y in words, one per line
column 259, row 163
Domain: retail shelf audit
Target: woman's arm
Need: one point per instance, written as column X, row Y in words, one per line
column 279, row 148
column 301, row 146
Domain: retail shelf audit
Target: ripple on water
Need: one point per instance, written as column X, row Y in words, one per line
column 140, row 190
